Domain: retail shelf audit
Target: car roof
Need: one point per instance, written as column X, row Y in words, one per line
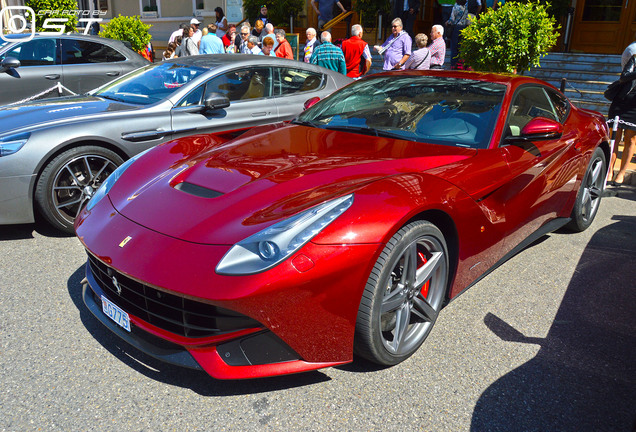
column 217, row 60
column 20, row 36
column 510, row 80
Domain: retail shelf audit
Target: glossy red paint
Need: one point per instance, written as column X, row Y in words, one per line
column 484, row 201
column 311, row 102
column 214, row 365
column 542, row 126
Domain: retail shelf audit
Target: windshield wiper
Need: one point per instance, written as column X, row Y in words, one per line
column 110, row 97
column 304, row 123
column 365, row 130
column 132, row 94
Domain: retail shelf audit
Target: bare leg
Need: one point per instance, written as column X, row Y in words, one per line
column 614, row 156
column 628, row 153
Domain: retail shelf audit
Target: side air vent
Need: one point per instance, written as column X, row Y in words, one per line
column 196, row 190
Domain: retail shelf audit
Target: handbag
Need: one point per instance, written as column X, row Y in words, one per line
column 616, row 90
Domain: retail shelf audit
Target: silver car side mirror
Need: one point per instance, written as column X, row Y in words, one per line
column 9, row 63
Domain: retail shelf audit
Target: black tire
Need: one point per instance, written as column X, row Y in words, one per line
column 69, row 180
column 588, row 198
column 399, row 306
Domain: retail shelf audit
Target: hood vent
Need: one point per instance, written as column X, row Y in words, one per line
column 196, row 190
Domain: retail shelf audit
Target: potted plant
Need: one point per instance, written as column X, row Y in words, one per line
column 512, row 38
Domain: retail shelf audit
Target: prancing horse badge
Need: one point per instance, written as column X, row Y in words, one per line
column 124, row 241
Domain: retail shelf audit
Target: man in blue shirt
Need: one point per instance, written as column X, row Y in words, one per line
column 211, row 43
column 325, row 10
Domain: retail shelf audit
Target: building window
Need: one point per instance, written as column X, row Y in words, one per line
column 150, row 8
column 206, row 7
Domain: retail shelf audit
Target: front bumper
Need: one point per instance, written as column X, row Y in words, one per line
column 306, row 319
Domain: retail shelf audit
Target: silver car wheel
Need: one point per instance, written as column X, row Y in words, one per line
column 404, row 294
column 70, row 180
column 76, row 183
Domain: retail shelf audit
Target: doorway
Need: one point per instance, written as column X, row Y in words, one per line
column 604, row 26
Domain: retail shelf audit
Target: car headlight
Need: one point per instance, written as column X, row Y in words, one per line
column 107, row 185
column 274, row 244
column 12, row 143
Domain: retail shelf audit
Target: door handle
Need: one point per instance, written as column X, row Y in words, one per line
column 144, row 135
column 115, row 73
column 52, row 76
column 259, row 114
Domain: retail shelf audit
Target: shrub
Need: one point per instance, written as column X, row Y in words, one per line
column 278, row 12
column 512, row 38
column 130, row 29
column 56, row 6
column 368, row 10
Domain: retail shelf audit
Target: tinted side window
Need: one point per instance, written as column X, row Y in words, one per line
column 290, row 81
column 252, row 83
column 81, row 52
column 529, row 102
column 36, row 52
column 192, row 98
column 560, row 103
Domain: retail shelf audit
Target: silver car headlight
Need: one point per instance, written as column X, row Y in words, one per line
column 107, row 185
column 10, row 144
column 274, row 244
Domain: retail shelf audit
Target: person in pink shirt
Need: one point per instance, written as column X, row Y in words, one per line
column 437, row 48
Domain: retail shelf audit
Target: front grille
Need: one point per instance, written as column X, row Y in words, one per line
column 167, row 311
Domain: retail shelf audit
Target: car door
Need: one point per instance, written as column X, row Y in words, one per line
column 87, row 65
column 249, row 91
column 293, row 87
column 542, row 171
column 38, row 73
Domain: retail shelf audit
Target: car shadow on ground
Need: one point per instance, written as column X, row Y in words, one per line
column 25, row 231
column 584, row 375
column 197, row 381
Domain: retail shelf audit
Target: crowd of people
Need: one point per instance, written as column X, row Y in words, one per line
column 401, row 50
column 221, row 37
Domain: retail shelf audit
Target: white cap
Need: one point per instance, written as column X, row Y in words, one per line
column 194, row 21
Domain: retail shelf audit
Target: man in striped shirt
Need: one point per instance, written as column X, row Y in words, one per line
column 437, row 48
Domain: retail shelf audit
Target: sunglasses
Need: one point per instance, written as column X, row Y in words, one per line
column 244, row 34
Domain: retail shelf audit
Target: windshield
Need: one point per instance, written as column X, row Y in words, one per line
column 433, row 109
column 151, row 83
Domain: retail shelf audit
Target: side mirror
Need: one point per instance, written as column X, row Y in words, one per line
column 541, row 128
column 9, row 63
column 311, row 102
column 216, row 101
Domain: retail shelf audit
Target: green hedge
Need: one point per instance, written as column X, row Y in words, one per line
column 130, row 29
column 54, row 5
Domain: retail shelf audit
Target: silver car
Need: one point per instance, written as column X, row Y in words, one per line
column 55, row 153
column 80, row 63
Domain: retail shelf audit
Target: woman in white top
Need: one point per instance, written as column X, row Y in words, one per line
column 221, row 22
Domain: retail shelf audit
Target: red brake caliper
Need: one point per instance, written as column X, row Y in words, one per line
column 422, row 261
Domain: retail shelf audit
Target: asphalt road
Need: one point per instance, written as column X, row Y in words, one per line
column 545, row 343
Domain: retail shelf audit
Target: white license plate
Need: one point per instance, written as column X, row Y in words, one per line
column 115, row 313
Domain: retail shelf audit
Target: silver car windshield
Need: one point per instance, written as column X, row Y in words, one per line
column 151, row 83
column 432, row 109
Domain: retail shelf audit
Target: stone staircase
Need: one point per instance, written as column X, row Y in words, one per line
column 587, row 75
